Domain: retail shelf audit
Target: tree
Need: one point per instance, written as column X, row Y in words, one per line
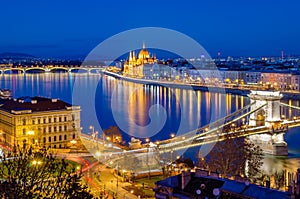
column 25, row 173
column 201, row 161
column 279, row 179
column 254, row 157
column 237, row 156
column 227, row 157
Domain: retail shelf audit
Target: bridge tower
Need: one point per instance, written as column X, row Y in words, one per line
column 269, row 117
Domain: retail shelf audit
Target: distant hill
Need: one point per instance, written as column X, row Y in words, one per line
column 9, row 55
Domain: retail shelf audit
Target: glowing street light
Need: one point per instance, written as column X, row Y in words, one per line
column 172, row 135
column 34, row 162
column 98, row 154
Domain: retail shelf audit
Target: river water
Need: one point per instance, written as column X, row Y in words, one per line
column 142, row 111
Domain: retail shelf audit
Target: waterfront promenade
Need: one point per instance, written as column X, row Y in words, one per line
column 232, row 89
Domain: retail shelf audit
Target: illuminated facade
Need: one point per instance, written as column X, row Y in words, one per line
column 38, row 121
column 134, row 66
column 268, row 116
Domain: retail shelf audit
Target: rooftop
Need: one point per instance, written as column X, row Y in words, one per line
column 208, row 184
column 33, row 104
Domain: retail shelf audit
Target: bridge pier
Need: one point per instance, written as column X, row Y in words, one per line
column 271, row 144
column 269, row 116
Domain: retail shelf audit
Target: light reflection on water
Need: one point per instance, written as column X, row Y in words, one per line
column 194, row 108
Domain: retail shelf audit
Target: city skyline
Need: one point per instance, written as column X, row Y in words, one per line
column 60, row 29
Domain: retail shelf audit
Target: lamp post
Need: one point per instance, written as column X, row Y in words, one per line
column 147, row 145
column 123, row 171
column 131, row 191
column 93, row 131
column 98, row 154
column 73, row 142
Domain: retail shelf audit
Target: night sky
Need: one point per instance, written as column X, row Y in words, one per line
column 57, row 28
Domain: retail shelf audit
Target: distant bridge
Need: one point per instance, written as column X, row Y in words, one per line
column 87, row 69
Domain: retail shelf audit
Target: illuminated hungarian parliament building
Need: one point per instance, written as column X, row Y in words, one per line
column 141, row 66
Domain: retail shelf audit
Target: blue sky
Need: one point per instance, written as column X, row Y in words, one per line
column 73, row 28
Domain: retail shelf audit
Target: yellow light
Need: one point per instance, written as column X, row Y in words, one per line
column 34, row 162
column 172, row 135
column 78, row 167
column 157, row 142
column 30, row 132
column 98, row 153
column 147, row 139
column 73, row 141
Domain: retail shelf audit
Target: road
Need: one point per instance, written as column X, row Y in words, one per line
column 101, row 179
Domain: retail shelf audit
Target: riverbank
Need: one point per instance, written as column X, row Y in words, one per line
column 206, row 88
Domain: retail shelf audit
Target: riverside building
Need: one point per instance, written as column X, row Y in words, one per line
column 38, row 121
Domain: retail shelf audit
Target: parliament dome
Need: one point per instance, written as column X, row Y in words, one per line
column 144, row 54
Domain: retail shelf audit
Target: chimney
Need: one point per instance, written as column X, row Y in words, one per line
column 185, row 178
column 268, row 184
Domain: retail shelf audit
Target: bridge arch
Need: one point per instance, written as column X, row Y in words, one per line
column 260, row 117
column 79, row 70
column 5, row 71
column 53, row 69
column 35, row 69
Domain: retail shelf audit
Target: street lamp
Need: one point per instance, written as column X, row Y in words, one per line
column 233, row 126
column 34, row 162
column 73, row 142
column 98, row 154
column 147, row 145
column 131, row 191
column 93, row 131
column 124, row 171
column 243, row 120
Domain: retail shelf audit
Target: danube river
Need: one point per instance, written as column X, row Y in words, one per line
column 142, row 111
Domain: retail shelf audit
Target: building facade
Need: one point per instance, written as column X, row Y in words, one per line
column 134, row 66
column 39, row 121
